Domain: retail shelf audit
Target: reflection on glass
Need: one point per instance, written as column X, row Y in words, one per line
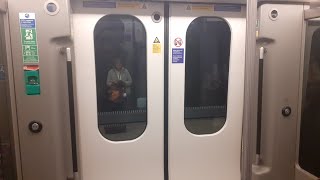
column 121, row 77
column 207, row 70
column 310, row 121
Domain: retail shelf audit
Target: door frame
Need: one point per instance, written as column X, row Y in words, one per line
column 177, row 131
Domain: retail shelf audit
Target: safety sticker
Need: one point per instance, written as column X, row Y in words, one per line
column 178, row 42
column 200, row 7
column 2, row 73
column 128, row 5
column 144, row 6
column 121, row 5
column 29, row 37
column 156, row 40
column 156, row 47
column 177, row 55
column 32, row 79
column 227, row 7
column 131, row 5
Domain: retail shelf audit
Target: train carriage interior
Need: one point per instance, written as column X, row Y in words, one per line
column 159, row 90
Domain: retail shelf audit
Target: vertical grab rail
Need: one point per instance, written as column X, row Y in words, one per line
column 67, row 51
column 259, row 112
column 71, row 107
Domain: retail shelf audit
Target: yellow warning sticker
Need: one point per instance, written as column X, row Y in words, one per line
column 128, row 5
column 144, row 6
column 131, row 5
column 156, row 40
column 156, row 48
column 200, row 7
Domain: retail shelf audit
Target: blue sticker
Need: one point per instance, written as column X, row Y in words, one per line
column 28, row 23
column 99, row 4
column 227, row 7
column 177, row 55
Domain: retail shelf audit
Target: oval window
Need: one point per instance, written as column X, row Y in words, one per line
column 309, row 157
column 121, row 77
column 206, row 79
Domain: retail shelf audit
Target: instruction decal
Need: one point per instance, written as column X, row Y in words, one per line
column 144, row 6
column 156, row 47
column 29, row 37
column 178, row 42
column 131, row 5
column 227, row 7
column 111, row 5
column 32, row 79
column 200, row 7
column 156, row 40
column 177, row 55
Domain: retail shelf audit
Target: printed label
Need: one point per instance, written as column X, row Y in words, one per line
column 178, row 42
column 29, row 37
column 156, row 40
column 200, row 7
column 156, row 48
column 177, row 55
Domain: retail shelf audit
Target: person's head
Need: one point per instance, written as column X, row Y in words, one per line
column 117, row 63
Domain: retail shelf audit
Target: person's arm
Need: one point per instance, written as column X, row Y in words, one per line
column 128, row 80
column 109, row 78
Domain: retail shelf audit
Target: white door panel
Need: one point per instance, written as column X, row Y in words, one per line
column 207, row 156
column 211, row 156
column 99, row 158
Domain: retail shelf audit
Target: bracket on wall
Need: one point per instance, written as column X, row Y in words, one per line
column 313, row 12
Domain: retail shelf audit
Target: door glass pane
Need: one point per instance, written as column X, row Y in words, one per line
column 207, row 71
column 310, row 121
column 121, row 77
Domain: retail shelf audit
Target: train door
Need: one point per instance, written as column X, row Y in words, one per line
column 119, row 67
column 154, row 102
column 206, row 82
column 308, row 162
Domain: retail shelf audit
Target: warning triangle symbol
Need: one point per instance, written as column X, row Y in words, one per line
column 144, row 6
column 188, row 7
column 156, row 40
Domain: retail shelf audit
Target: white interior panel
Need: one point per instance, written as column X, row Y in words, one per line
column 214, row 156
column 99, row 158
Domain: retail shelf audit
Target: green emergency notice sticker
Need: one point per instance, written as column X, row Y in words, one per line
column 29, row 37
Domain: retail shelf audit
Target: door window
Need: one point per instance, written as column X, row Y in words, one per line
column 206, row 78
column 310, row 125
column 121, row 77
